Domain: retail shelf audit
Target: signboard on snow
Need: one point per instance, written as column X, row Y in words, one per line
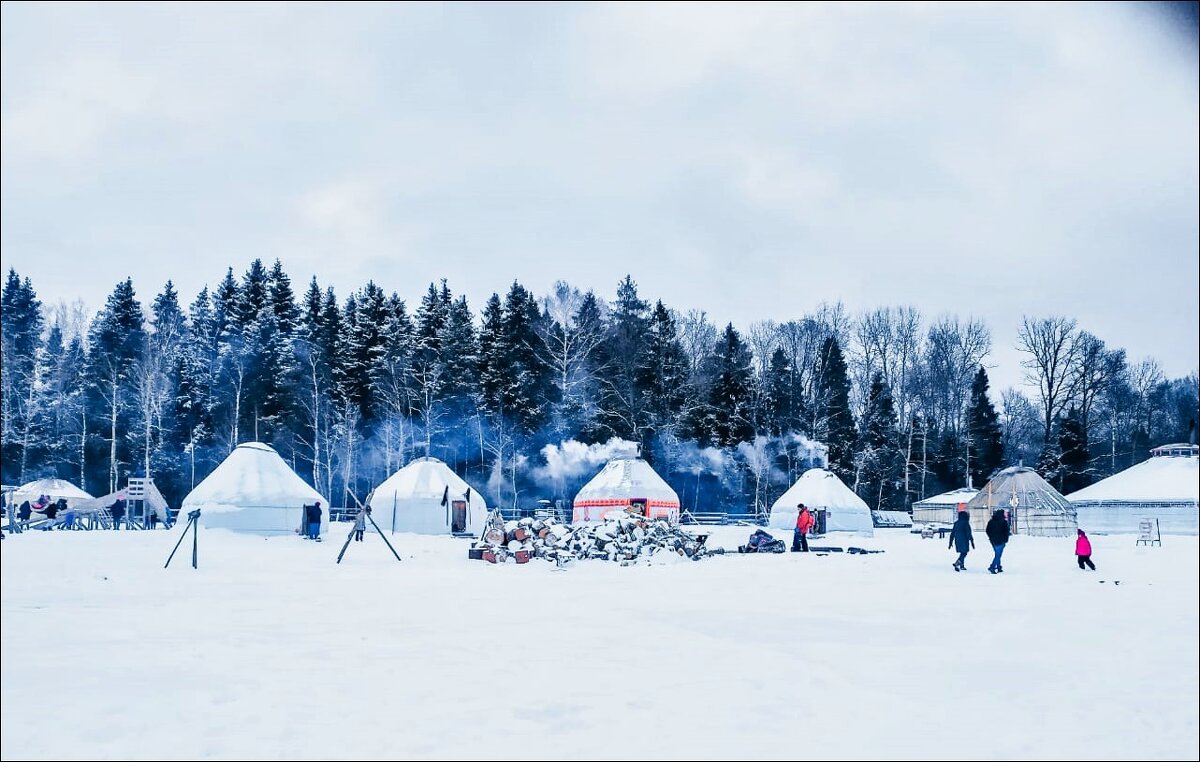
column 1148, row 532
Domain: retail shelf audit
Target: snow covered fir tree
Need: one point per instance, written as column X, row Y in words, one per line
column 348, row 389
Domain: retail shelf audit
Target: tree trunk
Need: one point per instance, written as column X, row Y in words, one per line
column 83, row 449
column 316, row 429
column 908, row 467
column 28, row 426
column 924, row 457
column 112, row 451
column 146, row 436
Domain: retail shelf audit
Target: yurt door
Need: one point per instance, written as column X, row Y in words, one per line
column 458, row 516
column 637, row 507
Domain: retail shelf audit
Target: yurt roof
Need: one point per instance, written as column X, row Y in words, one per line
column 1160, row 479
column 54, row 488
column 424, row 478
column 1029, row 487
column 818, row 488
column 253, row 476
column 625, row 479
column 953, row 497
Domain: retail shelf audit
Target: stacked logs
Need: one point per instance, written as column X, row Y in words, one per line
column 625, row 540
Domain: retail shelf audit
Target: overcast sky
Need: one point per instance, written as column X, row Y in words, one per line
column 987, row 160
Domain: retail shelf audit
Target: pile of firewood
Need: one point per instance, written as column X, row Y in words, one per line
column 626, row 540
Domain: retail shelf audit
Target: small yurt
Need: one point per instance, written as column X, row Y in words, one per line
column 428, row 498
column 253, row 490
column 943, row 508
column 822, row 490
column 1034, row 507
column 625, row 485
column 1165, row 487
column 53, row 488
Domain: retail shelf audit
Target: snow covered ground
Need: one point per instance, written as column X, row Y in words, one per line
column 270, row 650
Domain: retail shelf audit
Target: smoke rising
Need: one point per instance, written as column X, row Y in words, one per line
column 572, row 460
column 813, row 450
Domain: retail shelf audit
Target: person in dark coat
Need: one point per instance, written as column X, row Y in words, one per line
column 314, row 521
column 961, row 539
column 997, row 532
column 60, row 506
column 51, row 510
column 24, row 512
column 118, row 513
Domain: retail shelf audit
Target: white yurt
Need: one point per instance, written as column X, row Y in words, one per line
column 1165, row 487
column 253, row 490
column 427, row 497
column 820, row 489
column 625, row 485
column 943, row 508
column 53, row 488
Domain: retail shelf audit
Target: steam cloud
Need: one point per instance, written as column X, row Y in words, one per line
column 572, row 460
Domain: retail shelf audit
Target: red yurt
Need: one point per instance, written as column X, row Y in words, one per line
column 626, row 485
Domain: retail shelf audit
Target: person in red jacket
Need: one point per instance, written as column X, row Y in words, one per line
column 804, row 524
column 1083, row 549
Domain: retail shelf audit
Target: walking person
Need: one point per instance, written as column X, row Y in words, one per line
column 804, row 525
column 360, row 524
column 961, row 539
column 997, row 533
column 1083, row 549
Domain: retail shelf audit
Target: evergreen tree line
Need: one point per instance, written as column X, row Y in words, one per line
column 347, row 390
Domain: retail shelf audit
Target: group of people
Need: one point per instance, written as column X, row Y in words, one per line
column 49, row 509
column 962, row 540
column 310, row 525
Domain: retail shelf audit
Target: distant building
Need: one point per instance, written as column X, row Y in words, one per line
column 1165, row 487
column 943, row 508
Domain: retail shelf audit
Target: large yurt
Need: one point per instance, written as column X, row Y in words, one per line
column 1033, row 507
column 428, row 498
column 253, row 490
column 943, row 508
column 625, row 485
column 1166, row 487
column 822, row 490
column 52, row 488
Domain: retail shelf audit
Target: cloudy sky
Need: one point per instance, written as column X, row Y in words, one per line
column 988, row 160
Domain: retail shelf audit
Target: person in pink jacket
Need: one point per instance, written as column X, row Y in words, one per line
column 1083, row 549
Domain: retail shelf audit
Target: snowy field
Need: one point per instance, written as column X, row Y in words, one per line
column 270, row 650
